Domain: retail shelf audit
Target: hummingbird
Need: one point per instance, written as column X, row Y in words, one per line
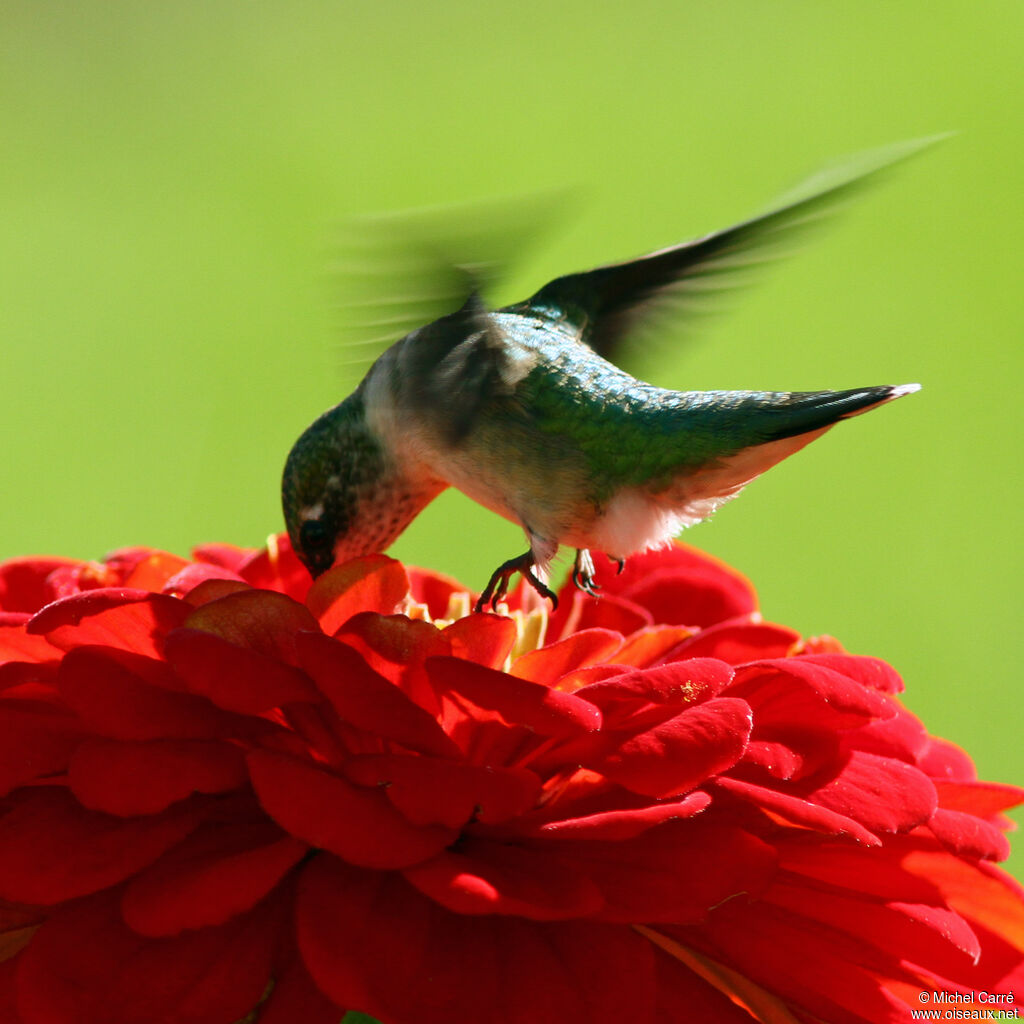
column 524, row 409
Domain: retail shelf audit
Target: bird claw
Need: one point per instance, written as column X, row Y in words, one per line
column 497, row 586
column 585, row 583
column 583, row 573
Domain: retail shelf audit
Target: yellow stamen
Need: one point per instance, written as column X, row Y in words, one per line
column 531, row 627
column 273, row 552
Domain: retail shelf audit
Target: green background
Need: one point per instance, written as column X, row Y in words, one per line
column 173, row 177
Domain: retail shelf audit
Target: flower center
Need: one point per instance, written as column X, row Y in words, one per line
column 531, row 626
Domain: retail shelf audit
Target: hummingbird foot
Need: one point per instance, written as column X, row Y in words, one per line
column 620, row 564
column 497, row 586
column 583, row 573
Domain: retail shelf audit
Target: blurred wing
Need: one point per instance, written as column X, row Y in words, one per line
column 616, row 308
column 397, row 272
column 453, row 368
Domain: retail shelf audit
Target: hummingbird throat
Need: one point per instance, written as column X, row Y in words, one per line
column 383, row 510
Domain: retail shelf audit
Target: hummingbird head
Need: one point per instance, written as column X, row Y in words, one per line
column 329, row 477
column 343, row 493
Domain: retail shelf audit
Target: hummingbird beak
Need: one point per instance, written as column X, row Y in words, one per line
column 319, row 562
column 314, row 541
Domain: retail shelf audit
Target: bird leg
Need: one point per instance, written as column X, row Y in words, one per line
column 497, row 586
column 583, row 573
column 620, row 564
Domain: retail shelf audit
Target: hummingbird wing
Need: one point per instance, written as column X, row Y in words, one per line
column 394, row 272
column 608, row 304
column 449, row 370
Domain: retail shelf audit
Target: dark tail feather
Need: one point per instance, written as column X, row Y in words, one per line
column 803, row 411
column 748, row 433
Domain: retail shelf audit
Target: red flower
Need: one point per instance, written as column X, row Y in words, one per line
column 229, row 792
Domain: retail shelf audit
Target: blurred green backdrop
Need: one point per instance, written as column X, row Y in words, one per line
column 173, row 176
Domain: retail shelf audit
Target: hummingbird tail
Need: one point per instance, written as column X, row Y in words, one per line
column 765, row 429
column 801, row 412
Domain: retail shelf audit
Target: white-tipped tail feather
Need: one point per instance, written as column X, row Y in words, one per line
column 897, row 391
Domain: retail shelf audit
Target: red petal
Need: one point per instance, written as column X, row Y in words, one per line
column 871, row 672
column 788, row 692
column 277, row 567
column 374, row 583
column 902, row 736
column 575, row 971
column 154, row 570
column 232, row 677
column 549, row 664
column 623, row 824
column 120, row 564
column 130, row 620
column 485, row 877
column 433, row 589
column 576, row 611
column 342, row 922
column 983, row 799
column 797, row 810
column 258, row 619
column 675, row 872
column 612, row 611
column 676, row 599
column 968, row 836
column 739, row 642
column 195, row 574
column 397, row 647
column 780, row 760
column 517, row 701
column 23, row 683
column 51, row 849
column 684, row 995
column 373, row 943
column 985, row 896
column 8, row 992
column 331, row 813
column 295, row 999
column 367, row 700
column 143, row 777
column 23, row 586
column 575, row 681
column 924, row 934
column 212, row 590
column 15, row 920
column 650, row 645
column 214, row 875
column 679, row 684
column 431, row 791
column 945, row 760
column 875, row 873
column 86, row 967
column 35, row 742
column 882, row 794
column 226, row 556
column 115, row 701
column 681, row 586
column 675, row 756
column 18, row 645
column 486, row 639
column 809, row 967
column 75, row 579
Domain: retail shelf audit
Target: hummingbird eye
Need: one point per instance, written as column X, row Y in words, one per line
column 314, row 536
